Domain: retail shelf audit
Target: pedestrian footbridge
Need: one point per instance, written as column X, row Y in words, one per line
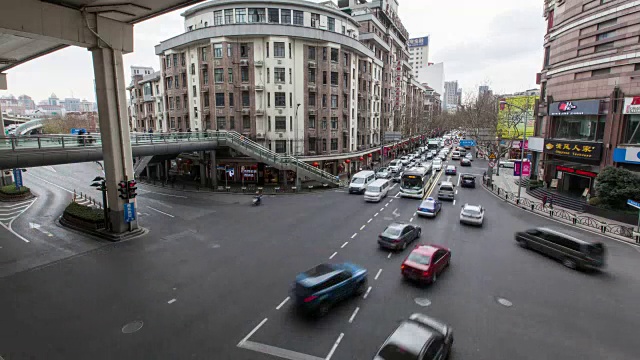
column 43, row 150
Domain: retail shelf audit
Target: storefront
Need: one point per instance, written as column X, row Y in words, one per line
column 237, row 173
column 631, row 111
column 571, row 166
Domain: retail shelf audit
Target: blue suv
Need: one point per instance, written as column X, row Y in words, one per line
column 317, row 289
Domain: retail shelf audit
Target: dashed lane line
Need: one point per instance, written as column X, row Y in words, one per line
column 376, row 214
column 252, row 331
column 378, row 274
column 354, row 235
column 454, row 202
column 362, row 227
column 410, row 220
column 367, row 293
column 343, row 245
column 276, row 351
column 353, row 316
column 282, row 303
column 381, row 209
column 389, row 256
column 161, row 212
column 333, row 255
column 369, row 221
column 335, row 346
column 171, row 301
column 390, row 200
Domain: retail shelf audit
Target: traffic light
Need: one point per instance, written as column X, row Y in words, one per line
column 122, row 189
column 132, row 189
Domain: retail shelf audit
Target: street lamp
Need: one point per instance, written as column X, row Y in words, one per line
column 524, row 139
column 100, row 184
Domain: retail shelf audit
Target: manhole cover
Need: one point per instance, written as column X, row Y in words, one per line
column 423, row 301
column 505, row 302
column 132, row 327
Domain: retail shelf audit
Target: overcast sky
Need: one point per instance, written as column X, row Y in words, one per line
column 492, row 42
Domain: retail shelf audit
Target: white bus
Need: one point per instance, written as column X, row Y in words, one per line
column 415, row 181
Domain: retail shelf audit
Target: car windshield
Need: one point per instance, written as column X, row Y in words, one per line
column 357, row 181
column 392, row 231
column 595, row 249
column 468, row 177
column 373, row 189
column 418, row 258
column 451, row 167
column 472, row 211
column 437, row 162
column 395, row 352
column 414, row 183
column 383, row 170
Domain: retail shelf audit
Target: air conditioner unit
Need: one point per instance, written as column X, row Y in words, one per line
column 244, row 62
column 312, row 112
column 245, row 111
column 245, row 87
column 259, row 136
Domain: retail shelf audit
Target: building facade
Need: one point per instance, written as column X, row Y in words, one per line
column 590, row 85
column 146, row 100
column 432, row 76
column 419, row 54
column 451, row 95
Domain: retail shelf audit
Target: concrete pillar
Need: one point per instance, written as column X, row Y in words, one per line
column 203, row 169
column 213, row 171
column 114, row 130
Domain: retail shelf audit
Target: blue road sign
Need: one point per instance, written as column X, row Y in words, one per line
column 75, row 131
column 17, row 177
column 529, row 157
column 635, row 204
column 464, row 143
column 129, row 212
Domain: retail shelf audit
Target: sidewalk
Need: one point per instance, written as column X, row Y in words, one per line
column 506, row 188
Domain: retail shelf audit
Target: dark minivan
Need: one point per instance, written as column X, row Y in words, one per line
column 568, row 248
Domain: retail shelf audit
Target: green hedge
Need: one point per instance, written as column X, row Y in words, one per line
column 11, row 190
column 85, row 213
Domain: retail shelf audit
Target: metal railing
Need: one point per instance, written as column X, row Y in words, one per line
column 580, row 221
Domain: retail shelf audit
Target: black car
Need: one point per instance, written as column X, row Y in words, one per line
column 465, row 162
column 468, row 180
column 418, row 338
column 398, row 235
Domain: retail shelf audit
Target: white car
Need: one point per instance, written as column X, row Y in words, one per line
column 395, row 166
column 437, row 164
column 405, row 160
column 469, row 156
column 472, row 214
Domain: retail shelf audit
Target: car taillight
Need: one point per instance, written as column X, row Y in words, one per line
column 402, row 267
column 310, row 298
column 395, row 240
column 425, row 273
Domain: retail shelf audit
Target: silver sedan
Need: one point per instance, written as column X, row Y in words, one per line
column 472, row 215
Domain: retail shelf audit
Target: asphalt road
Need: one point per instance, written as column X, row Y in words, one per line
column 214, row 271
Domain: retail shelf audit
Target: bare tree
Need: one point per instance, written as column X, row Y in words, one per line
column 64, row 124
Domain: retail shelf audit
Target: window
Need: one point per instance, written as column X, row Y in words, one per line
column 246, row 122
column 589, row 128
column 331, row 22
column 183, row 59
column 241, row 16
column 608, row 23
column 218, row 75
column 312, row 144
column 231, row 100
column 278, row 49
column 334, row 122
column 344, row 29
column 345, row 101
column 290, row 76
column 244, row 74
column 324, row 53
column 269, row 123
column 232, row 123
column 274, row 16
column 601, row 72
column 345, row 58
column 205, row 77
column 245, row 99
column 256, row 15
column 334, row 144
column 281, row 123
column 280, row 99
column 298, row 17
column 177, row 103
column 603, row 47
column 203, row 53
column 278, row 75
column 605, row 35
column 315, row 20
column 244, row 50
column 217, row 18
column 193, row 69
column 268, row 99
column 636, row 67
column 312, row 122
column 228, row 16
column 345, row 79
column 177, row 81
column 546, row 56
column 334, row 78
column 217, row 51
column 222, row 122
column 175, row 60
column 312, row 75
column 168, row 61
column 290, row 54
column 324, row 125
column 229, row 50
column 195, row 91
column 324, row 100
column 324, row 78
column 219, row 99
column 311, row 52
column 324, row 144
column 169, row 82
column 230, row 75
column 312, row 99
column 281, row 146
column 291, row 100
column 334, row 101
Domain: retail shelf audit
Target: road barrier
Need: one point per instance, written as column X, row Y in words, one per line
column 577, row 220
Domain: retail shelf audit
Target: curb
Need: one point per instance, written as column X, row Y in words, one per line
column 612, row 237
column 104, row 235
column 237, row 193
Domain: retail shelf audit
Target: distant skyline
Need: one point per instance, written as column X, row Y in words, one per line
column 490, row 42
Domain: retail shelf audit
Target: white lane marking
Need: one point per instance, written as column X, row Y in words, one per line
column 387, row 204
column 161, row 212
column 376, row 214
column 454, row 201
column 37, row 227
column 252, row 332
column 282, row 303
column 381, row 209
column 165, row 194
column 333, row 255
column 12, row 212
column 335, row 346
column 52, row 184
column 276, row 351
column 390, row 200
column 8, row 227
column 354, row 235
column 369, row 221
column 378, row 274
column 456, row 192
column 353, row 316
column 171, row 301
column 410, row 220
column 343, row 245
column 16, row 205
column 458, row 181
column 394, row 185
column 367, row 293
column 362, row 227
column 50, row 168
column 389, row 256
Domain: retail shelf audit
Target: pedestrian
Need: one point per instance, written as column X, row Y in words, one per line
column 544, row 201
column 551, row 203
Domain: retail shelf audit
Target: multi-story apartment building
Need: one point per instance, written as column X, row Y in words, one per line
column 419, row 50
column 590, row 91
column 146, row 100
column 451, row 95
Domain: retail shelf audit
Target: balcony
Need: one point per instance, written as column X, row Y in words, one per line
column 204, row 88
column 376, row 97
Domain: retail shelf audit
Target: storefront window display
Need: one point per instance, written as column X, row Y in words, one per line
column 586, row 128
column 271, row 175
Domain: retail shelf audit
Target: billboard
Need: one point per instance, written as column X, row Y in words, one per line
column 631, row 105
column 421, row 41
column 511, row 118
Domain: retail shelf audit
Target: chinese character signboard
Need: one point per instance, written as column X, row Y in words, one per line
column 525, row 167
column 422, row 41
column 129, row 212
column 631, row 105
column 566, row 108
column 574, row 149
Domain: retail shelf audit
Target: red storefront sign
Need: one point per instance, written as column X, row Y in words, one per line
column 576, row 171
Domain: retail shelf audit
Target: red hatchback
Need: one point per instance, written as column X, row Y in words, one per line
column 426, row 262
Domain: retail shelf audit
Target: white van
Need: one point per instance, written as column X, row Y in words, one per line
column 455, row 155
column 377, row 190
column 361, row 180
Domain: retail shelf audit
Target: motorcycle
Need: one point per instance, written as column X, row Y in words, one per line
column 257, row 200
